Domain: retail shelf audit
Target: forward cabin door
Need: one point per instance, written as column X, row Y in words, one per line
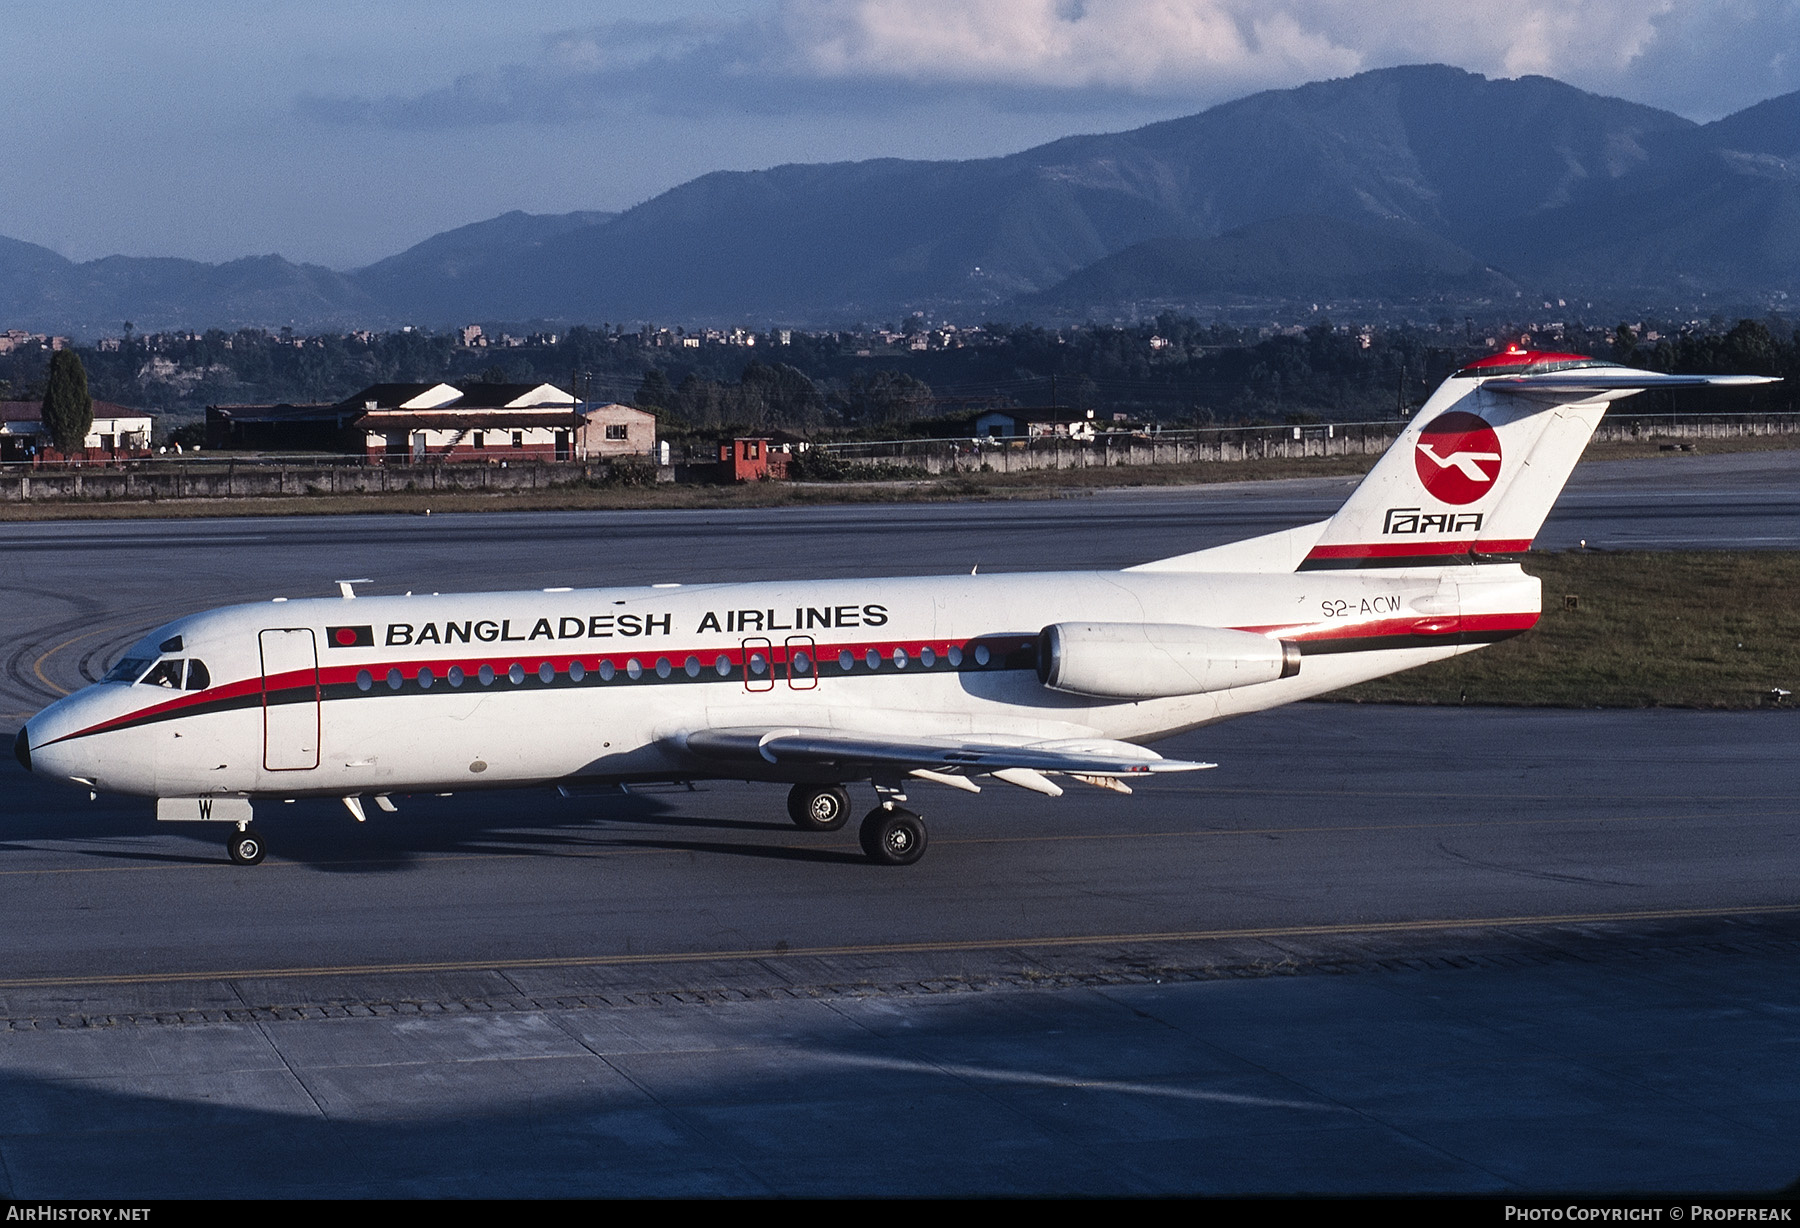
column 290, row 695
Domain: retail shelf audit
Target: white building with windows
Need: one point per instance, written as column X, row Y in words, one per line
column 615, row 430
column 117, row 433
column 479, row 422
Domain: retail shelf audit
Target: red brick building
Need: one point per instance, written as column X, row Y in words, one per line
column 754, row 459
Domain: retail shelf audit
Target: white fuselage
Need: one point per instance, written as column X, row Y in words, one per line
column 375, row 695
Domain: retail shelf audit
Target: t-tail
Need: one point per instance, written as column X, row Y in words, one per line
column 1475, row 473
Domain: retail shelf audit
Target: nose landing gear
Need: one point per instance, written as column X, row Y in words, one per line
column 245, row 846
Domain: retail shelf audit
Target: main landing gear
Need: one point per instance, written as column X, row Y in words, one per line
column 819, row 807
column 889, row 835
column 245, row 846
column 893, row 837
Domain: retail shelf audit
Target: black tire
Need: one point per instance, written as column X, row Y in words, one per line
column 818, row 807
column 245, row 847
column 893, row 837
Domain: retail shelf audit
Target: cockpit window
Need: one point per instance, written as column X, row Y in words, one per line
column 150, row 662
column 128, row 670
column 175, row 675
column 164, row 674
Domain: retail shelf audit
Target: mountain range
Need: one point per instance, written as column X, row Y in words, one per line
column 1414, row 183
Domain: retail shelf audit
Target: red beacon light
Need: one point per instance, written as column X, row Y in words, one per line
column 1516, row 360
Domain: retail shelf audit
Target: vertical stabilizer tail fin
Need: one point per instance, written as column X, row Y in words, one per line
column 1474, row 475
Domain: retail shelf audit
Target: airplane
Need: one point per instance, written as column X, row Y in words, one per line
column 948, row 680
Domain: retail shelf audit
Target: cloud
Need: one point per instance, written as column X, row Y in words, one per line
column 1709, row 60
column 831, row 55
column 578, row 75
column 1177, row 46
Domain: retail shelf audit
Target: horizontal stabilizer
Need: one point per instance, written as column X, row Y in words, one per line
column 1616, row 380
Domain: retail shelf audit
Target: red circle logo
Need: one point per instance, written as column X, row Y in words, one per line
column 346, row 636
column 1458, row 457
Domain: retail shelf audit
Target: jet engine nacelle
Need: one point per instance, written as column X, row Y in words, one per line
column 1158, row 660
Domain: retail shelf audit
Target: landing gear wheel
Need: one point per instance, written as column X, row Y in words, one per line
column 819, row 807
column 893, row 837
column 245, row 847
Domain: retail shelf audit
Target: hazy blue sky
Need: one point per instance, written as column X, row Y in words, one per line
column 342, row 132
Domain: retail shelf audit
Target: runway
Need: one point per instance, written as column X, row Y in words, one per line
column 1379, row 949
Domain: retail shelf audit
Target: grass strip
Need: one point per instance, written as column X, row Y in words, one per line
column 1637, row 629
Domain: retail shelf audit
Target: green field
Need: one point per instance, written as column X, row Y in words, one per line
column 1688, row 630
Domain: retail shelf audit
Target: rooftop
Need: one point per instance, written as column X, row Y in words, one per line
column 33, row 411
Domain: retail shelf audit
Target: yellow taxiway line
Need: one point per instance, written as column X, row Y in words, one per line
column 37, row 666
column 908, row 948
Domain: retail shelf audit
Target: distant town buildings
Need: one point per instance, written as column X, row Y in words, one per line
column 15, row 339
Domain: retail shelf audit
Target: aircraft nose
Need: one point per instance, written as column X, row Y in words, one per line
column 22, row 748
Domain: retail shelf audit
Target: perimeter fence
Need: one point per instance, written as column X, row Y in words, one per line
column 241, row 475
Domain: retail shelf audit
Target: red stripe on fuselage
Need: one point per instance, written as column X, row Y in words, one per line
column 1424, row 624
column 1389, row 550
column 172, row 707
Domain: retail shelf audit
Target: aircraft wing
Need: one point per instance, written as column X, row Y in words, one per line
column 951, row 755
column 1615, row 380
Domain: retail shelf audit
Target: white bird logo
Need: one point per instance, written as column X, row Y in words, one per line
column 1466, row 462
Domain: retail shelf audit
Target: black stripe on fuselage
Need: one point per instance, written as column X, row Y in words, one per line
column 1380, row 643
column 1407, row 560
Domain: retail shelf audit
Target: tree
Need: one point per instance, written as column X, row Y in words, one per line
column 782, row 393
column 1625, row 343
column 655, row 391
column 68, row 409
column 888, row 398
